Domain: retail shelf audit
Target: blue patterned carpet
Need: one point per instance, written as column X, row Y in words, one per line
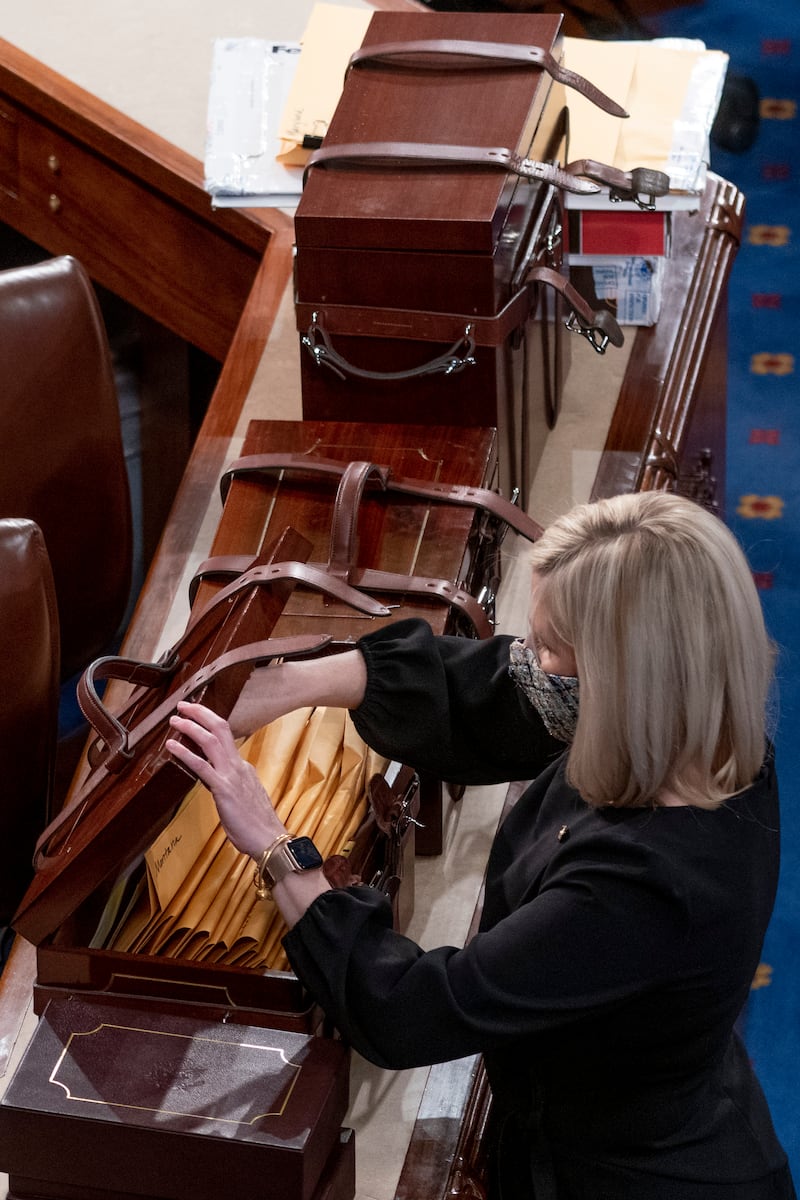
column 763, row 485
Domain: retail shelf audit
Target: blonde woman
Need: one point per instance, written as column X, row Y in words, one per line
column 628, row 890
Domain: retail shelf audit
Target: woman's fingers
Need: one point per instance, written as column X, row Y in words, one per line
column 213, row 757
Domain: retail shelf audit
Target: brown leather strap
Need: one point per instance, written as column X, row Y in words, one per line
column 318, row 344
column 344, row 526
column 120, row 742
column 596, row 325
column 310, row 574
column 449, row 51
column 497, row 158
column 417, row 325
column 230, row 565
column 358, row 321
column 344, row 552
column 421, row 585
column 641, row 185
column 482, row 499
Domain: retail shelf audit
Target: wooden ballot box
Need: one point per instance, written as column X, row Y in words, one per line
column 143, row 914
column 138, row 893
column 167, row 1008
column 432, row 554
column 174, row 1070
column 412, row 295
column 179, row 923
column 118, row 1102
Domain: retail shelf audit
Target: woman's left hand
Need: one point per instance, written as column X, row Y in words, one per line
column 244, row 807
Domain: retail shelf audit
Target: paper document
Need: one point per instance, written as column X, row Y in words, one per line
column 250, row 81
column 671, row 88
column 330, row 37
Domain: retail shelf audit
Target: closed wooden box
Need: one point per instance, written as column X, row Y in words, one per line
column 116, row 1101
column 275, row 484
column 401, row 263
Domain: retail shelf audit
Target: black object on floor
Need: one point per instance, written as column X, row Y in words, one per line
column 736, row 124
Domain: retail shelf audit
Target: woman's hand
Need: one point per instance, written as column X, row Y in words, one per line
column 244, row 807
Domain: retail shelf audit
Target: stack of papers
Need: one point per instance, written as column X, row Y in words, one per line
column 671, row 88
column 269, row 106
column 250, row 82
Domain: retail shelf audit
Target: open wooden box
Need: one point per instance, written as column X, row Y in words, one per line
column 131, row 792
column 140, row 1061
column 451, row 548
column 418, row 536
column 69, row 960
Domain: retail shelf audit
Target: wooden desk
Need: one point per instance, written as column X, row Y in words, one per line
column 78, row 176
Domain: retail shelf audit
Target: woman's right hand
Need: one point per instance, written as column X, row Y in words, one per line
column 243, row 805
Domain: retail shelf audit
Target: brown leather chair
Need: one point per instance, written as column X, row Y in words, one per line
column 29, row 691
column 63, row 463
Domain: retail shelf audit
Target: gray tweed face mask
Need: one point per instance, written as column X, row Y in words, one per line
column 555, row 697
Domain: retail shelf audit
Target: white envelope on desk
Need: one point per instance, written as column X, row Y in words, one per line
column 250, row 80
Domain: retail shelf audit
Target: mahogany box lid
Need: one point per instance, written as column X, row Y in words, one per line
column 423, row 207
column 402, row 534
column 118, row 1099
column 116, row 809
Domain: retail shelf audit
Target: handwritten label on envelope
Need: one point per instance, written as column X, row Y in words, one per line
column 331, row 35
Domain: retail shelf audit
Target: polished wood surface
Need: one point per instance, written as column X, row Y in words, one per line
column 78, row 177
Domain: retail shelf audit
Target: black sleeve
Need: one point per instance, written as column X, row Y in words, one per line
column 449, row 706
column 400, row 1006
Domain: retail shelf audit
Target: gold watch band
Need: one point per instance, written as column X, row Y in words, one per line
column 263, row 879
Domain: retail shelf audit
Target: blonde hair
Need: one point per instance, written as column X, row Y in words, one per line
column 656, row 598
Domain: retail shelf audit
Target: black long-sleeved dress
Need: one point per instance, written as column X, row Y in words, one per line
column 615, row 952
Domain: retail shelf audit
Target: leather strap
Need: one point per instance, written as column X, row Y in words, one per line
column 113, row 734
column 482, row 499
column 120, row 742
column 358, row 321
column 641, row 185
column 498, row 158
column 344, row 552
column 596, row 325
column 493, row 54
column 320, row 321
column 421, row 585
column 318, row 344
column 310, row 574
column 378, row 581
column 344, row 526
